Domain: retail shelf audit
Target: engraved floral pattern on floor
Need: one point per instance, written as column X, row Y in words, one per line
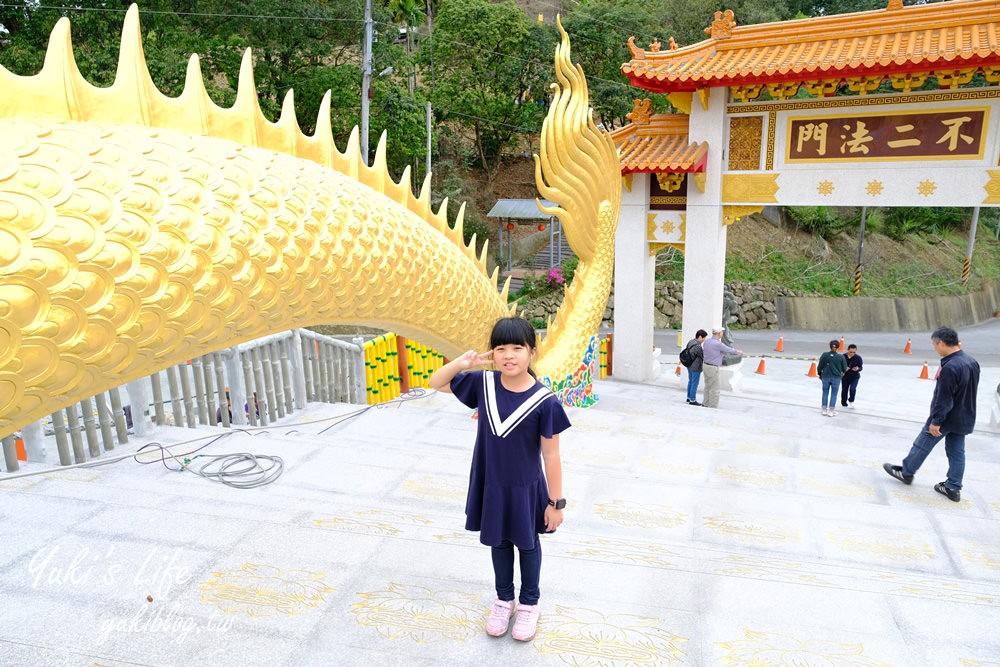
column 880, row 544
column 429, row 487
column 623, row 551
column 771, row 648
column 260, row 590
column 372, row 522
column 640, row 514
column 589, row 638
column 751, row 476
column 422, row 615
column 752, row 530
column 761, row 568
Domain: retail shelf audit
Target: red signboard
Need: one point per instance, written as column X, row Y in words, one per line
column 953, row 134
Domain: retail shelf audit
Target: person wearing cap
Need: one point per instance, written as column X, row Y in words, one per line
column 713, row 350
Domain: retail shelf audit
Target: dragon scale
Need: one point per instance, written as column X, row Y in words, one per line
column 138, row 231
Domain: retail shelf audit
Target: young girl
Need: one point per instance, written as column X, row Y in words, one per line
column 509, row 500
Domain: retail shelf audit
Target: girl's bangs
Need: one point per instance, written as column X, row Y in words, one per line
column 512, row 331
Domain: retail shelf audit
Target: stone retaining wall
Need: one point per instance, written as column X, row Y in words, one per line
column 815, row 313
column 752, row 306
column 769, row 307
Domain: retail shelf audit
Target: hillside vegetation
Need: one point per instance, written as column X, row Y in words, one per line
column 916, row 263
column 907, row 252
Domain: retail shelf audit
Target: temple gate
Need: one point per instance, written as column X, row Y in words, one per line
column 892, row 107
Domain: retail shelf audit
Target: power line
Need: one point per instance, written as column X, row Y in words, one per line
column 276, row 17
column 282, row 17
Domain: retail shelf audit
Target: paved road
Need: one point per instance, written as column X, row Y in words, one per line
column 982, row 341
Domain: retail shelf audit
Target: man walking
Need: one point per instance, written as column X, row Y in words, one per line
column 712, row 350
column 849, row 383
column 953, row 415
column 694, row 369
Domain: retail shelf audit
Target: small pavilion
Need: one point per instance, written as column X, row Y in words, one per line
column 889, row 107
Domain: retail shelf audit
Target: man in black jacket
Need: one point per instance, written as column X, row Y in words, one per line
column 849, row 382
column 953, row 415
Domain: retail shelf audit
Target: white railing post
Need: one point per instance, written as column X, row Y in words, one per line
column 138, row 400
column 298, row 363
column 34, row 441
column 238, row 390
column 359, row 371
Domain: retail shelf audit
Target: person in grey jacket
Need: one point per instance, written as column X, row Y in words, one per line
column 953, row 415
column 694, row 370
column 713, row 350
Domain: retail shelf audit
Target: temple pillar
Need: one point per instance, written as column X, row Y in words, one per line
column 705, row 235
column 634, row 276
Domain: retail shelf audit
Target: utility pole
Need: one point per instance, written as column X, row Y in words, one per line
column 861, row 250
column 967, row 266
column 430, row 37
column 366, row 79
column 428, row 137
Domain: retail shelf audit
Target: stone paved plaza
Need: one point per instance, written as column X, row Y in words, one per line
column 761, row 533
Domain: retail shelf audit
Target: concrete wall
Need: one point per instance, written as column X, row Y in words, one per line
column 814, row 313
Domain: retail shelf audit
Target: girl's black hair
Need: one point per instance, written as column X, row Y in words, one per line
column 514, row 331
column 834, row 345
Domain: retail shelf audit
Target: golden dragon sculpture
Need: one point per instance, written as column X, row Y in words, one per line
column 138, row 231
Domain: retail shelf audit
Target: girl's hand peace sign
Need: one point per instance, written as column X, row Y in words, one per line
column 472, row 358
column 442, row 377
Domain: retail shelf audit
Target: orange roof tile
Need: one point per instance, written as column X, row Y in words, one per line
column 661, row 145
column 955, row 34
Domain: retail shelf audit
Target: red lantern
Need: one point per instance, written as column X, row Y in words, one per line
column 541, row 228
column 510, row 226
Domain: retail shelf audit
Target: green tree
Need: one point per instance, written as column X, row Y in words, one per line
column 298, row 45
column 599, row 33
column 96, row 35
column 490, row 80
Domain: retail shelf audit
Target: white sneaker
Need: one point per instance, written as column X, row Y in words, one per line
column 824, row 413
column 832, row 413
column 499, row 619
column 526, row 622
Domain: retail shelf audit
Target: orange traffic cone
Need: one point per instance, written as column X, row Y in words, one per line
column 812, row 371
column 780, row 347
column 678, row 370
column 923, row 372
column 909, row 347
column 841, row 348
column 760, row 368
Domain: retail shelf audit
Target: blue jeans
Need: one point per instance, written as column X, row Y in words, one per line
column 694, row 377
column 830, row 387
column 954, row 448
column 531, row 568
column 848, row 388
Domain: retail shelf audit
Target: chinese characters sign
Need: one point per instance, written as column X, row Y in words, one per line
column 954, row 134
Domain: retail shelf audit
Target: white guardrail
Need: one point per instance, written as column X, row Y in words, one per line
column 278, row 374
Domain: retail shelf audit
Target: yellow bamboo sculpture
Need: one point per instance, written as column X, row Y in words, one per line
column 138, row 230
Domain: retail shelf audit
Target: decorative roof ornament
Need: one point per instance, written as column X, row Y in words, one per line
column 637, row 53
column 894, row 4
column 641, row 111
column 654, row 46
column 722, row 26
column 673, row 44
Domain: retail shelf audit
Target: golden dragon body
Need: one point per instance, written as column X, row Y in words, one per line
column 137, row 231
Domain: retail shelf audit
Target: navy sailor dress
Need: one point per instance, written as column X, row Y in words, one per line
column 507, row 489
